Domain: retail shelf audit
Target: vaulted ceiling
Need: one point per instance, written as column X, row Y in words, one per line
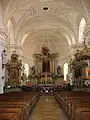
column 53, row 23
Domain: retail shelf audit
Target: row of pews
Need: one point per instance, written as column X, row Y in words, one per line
column 76, row 104
column 17, row 105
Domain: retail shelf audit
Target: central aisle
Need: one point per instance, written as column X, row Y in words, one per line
column 47, row 109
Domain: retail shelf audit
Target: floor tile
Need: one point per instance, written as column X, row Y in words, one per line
column 48, row 109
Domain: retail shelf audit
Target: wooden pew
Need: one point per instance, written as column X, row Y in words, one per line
column 9, row 116
column 85, row 114
column 74, row 101
column 18, row 107
column 18, row 111
column 25, row 109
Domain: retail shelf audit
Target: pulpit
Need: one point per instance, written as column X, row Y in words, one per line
column 80, row 67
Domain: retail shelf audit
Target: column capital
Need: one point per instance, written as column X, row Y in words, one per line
column 16, row 48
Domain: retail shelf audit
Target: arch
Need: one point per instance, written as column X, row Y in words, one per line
column 23, row 39
column 10, row 32
column 35, row 23
column 65, row 71
column 82, row 26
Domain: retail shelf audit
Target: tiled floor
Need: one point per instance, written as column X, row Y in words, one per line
column 48, row 109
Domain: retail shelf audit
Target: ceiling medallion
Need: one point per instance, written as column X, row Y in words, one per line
column 45, row 8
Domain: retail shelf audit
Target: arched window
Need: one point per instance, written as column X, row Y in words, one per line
column 81, row 29
column 26, row 70
column 65, row 71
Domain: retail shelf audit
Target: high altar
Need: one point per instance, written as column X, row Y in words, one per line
column 46, row 64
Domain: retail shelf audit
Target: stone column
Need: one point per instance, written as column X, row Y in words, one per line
column 35, row 61
column 1, row 81
column 40, row 66
column 51, row 67
column 3, row 37
column 36, row 66
column 55, row 66
column 3, row 44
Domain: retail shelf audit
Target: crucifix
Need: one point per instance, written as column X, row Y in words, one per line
column 46, row 61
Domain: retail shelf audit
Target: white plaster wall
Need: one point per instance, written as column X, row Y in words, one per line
column 1, row 71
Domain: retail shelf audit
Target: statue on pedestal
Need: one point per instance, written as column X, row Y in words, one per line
column 33, row 70
column 23, row 80
column 59, row 70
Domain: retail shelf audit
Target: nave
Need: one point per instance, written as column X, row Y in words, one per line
column 48, row 109
column 75, row 105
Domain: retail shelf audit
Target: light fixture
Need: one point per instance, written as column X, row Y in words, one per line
column 45, row 8
column 46, row 91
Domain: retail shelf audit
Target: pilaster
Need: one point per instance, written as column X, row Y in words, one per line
column 3, row 46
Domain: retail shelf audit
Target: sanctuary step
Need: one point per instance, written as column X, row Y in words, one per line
column 47, row 109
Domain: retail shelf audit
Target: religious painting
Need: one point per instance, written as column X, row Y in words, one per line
column 46, row 66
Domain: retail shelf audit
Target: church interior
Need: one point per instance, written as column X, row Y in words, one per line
column 44, row 59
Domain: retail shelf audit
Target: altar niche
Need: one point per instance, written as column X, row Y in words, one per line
column 45, row 66
column 45, row 62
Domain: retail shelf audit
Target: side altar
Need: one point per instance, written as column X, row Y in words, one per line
column 13, row 68
column 45, row 66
